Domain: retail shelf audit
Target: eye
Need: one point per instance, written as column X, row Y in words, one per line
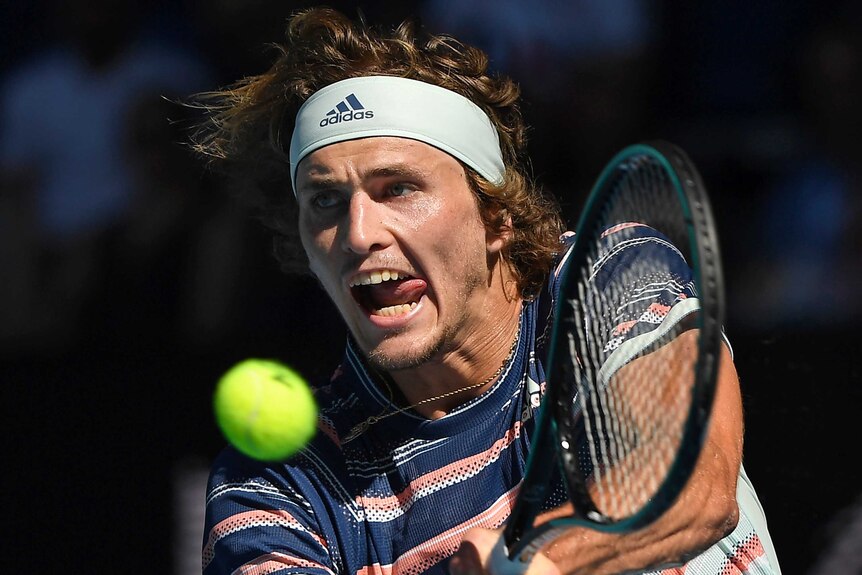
column 325, row 199
column 401, row 189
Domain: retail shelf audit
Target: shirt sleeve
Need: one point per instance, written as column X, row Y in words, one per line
column 748, row 550
column 259, row 521
column 648, row 294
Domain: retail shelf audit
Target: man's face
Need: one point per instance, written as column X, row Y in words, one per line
column 393, row 233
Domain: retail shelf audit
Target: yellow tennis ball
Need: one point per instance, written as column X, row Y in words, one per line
column 265, row 409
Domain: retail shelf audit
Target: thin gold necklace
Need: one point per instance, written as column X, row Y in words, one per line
column 361, row 428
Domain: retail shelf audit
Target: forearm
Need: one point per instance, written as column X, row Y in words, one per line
column 692, row 526
column 705, row 511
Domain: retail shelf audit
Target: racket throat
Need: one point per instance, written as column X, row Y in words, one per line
column 576, row 485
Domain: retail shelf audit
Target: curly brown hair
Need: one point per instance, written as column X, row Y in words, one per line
column 248, row 126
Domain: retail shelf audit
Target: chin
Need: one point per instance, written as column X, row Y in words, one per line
column 383, row 357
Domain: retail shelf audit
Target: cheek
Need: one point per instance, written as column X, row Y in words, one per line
column 317, row 247
column 423, row 213
column 443, row 220
column 462, row 228
column 326, row 276
column 459, row 242
column 312, row 234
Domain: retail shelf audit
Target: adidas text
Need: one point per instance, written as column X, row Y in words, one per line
column 346, row 117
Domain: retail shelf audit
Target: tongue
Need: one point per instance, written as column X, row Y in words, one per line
column 396, row 292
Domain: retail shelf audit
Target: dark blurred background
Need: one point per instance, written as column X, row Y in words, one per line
column 129, row 278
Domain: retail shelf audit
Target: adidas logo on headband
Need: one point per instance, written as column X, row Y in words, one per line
column 350, row 108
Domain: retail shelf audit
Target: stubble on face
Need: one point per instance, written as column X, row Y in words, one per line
column 446, row 341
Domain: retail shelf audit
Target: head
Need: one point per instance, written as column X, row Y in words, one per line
column 472, row 221
column 250, row 125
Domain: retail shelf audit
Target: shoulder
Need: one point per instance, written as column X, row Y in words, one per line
column 638, row 253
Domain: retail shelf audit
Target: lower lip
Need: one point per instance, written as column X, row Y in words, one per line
column 397, row 321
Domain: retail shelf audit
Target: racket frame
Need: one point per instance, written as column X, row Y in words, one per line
column 554, row 444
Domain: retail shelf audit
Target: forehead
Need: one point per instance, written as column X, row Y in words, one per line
column 368, row 154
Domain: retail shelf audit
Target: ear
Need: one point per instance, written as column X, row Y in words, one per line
column 499, row 239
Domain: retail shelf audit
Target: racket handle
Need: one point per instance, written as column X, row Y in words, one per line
column 500, row 564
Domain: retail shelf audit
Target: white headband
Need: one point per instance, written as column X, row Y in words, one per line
column 390, row 106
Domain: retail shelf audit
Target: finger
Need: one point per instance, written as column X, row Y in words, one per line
column 467, row 560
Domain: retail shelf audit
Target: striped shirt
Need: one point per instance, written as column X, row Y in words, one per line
column 398, row 497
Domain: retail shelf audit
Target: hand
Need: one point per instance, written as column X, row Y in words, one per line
column 474, row 557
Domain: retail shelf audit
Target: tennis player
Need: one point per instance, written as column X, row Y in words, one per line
column 391, row 166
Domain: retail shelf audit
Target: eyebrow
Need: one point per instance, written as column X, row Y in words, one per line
column 323, row 183
column 326, row 182
column 400, row 169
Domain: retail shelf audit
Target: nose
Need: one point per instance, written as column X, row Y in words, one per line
column 364, row 227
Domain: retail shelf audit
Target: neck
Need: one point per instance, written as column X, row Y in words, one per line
column 473, row 365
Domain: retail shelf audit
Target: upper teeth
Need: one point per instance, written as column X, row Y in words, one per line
column 375, row 277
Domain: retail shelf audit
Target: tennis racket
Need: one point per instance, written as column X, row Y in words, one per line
column 633, row 354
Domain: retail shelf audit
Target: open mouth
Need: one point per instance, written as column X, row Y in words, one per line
column 387, row 293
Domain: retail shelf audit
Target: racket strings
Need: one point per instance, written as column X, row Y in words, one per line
column 633, row 414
